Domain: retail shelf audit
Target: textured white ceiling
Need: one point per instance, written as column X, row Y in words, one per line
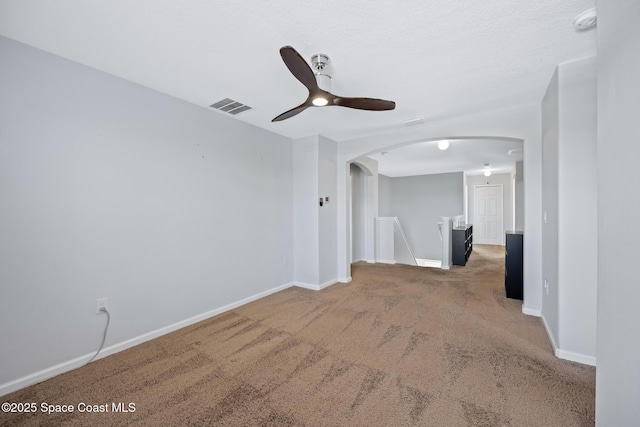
column 436, row 58
column 467, row 155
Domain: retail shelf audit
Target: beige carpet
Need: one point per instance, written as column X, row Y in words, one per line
column 399, row 345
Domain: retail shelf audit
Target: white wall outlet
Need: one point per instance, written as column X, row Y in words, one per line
column 101, row 303
column 546, row 286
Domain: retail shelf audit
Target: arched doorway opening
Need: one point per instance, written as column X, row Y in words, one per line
column 362, row 193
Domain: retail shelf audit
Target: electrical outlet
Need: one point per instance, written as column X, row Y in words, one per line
column 101, row 303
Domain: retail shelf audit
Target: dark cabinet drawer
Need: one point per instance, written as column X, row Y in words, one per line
column 513, row 271
column 462, row 244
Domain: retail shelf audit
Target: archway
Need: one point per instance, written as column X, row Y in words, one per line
column 356, row 237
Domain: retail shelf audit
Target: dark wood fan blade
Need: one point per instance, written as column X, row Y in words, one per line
column 371, row 104
column 299, row 68
column 297, row 110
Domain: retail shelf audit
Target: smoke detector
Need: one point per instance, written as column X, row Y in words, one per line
column 586, row 20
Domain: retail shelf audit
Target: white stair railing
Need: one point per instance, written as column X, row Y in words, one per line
column 391, row 243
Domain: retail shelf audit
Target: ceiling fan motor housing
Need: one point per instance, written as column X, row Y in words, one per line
column 318, row 62
column 324, row 81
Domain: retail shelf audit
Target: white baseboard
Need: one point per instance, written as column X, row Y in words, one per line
column 531, row 312
column 316, row 287
column 576, row 357
column 386, row 261
column 345, row 279
column 307, row 286
column 567, row 355
column 78, row 362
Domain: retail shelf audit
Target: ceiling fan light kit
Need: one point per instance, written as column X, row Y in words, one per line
column 318, row 84
column 319, row 101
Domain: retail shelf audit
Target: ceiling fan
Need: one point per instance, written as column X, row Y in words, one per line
column 319, row 86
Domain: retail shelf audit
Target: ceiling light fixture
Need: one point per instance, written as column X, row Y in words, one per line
column 487, row 172
column 319, row 101
column 443, row 145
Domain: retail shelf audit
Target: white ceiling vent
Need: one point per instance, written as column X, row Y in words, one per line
column 230, row 106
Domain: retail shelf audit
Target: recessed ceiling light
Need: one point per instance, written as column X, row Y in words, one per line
column 443, row 145
column 487, row 173
column 586, row 20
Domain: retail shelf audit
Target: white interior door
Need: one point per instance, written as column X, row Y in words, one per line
column 488, row 228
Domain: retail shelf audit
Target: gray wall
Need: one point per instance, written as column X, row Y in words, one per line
column 618, row 373
column 328, row 215
column 577, row 210
column 109, row 189
column 570, row 202
column 384, row 195
column 306, row 211
column 550, row 143
column 358, row 201
column 519, row 195
column 420, row 202
column 315, row 234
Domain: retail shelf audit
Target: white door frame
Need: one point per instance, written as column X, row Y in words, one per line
column 500, row 212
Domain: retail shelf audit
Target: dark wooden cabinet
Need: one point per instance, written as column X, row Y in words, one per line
column 461, row 244
column 513, row 271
